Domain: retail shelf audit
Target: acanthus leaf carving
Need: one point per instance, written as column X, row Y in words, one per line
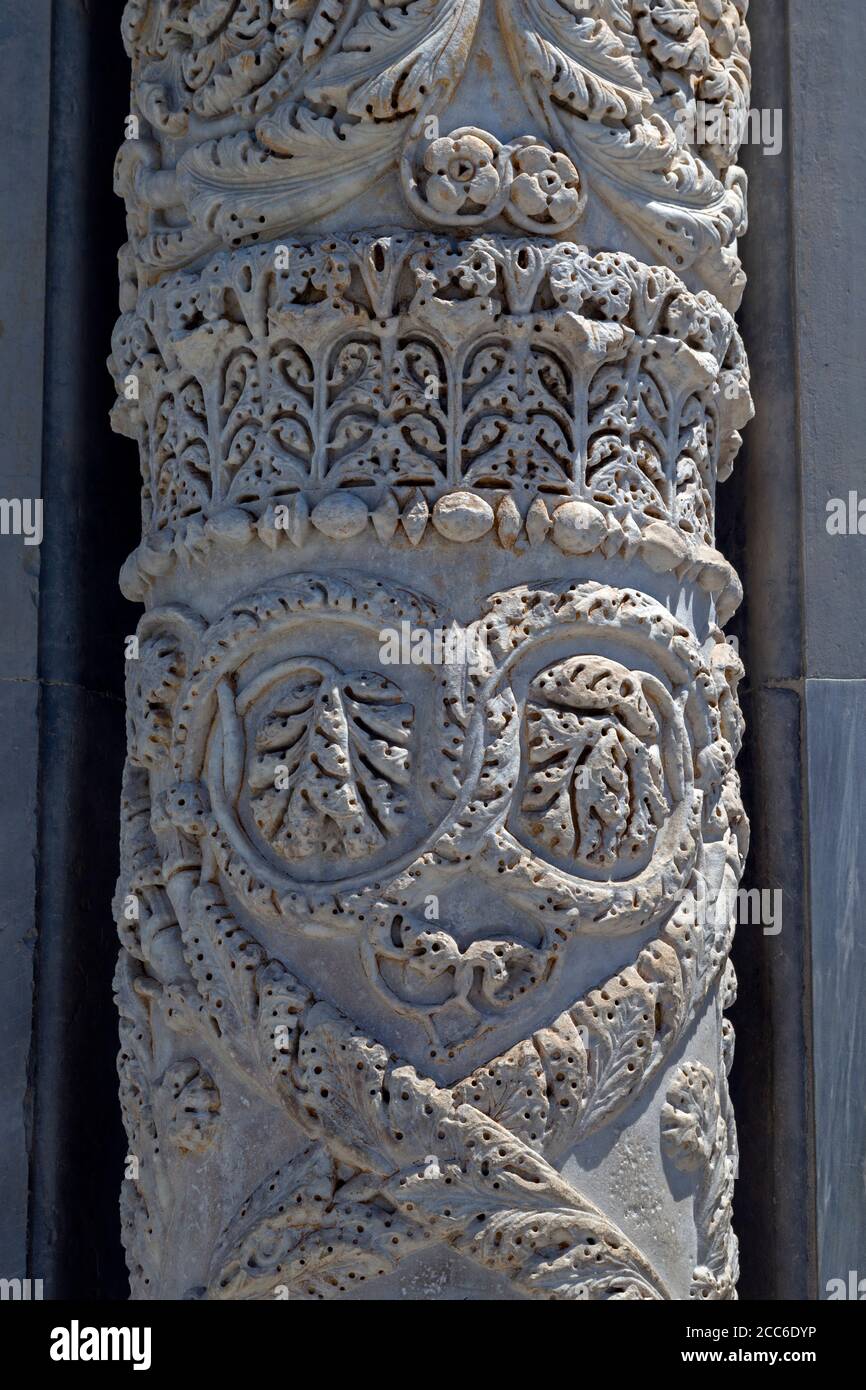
column 591, row 87
column 247, row 108
column 595, row 789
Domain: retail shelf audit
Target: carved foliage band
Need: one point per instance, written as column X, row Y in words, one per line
column 383, row 379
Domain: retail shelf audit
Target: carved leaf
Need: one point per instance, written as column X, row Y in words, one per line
column 189, row 1103
column 690, row 1117
column 395, row 56
column 618, row 1026
column 271, row 429
column 505, row 1206
column 224, row 961
column 294, row 1238
column 698, row 1138
column 268, row 1224
column 221, row 79
column 181, row 463
column 322, row 25
column 343, row 1075
column 513, row 1092
column 582, row 63
column 367, row 1243
column 235, row 186
column 331, row 756
column 301, row 164
column 404, row 439
column 585, row 75
column 595, row 788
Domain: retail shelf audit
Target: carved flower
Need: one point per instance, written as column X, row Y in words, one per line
column 547, row 186
column 463, row 170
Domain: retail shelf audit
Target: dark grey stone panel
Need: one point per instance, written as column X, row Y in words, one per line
column 24, row 96
column 759, row 509
column 827, row 130
column 19, row 702
column 836, row 722
column 24, row 101
column 78, row 1143
column 771, row 1079
column 91, row 489
column 760, row 527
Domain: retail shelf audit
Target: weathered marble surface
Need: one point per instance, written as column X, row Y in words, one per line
column 424, row 964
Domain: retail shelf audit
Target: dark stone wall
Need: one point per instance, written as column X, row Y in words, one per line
column 66, row 82
column 23, row 224
column 828, row 134
column 761, row 521
column 801, row 1023
column 91, row 487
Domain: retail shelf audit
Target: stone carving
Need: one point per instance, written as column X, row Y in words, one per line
column 261, row 118
column 468, row 178
column 587, row 1063
column 613, row 83
column 330, row 756
column 404, row 933
column 700, row 1136
column 381, row 383
column 169, row 1122
column 595, row 789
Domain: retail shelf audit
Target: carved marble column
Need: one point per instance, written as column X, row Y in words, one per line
column 427, row 329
